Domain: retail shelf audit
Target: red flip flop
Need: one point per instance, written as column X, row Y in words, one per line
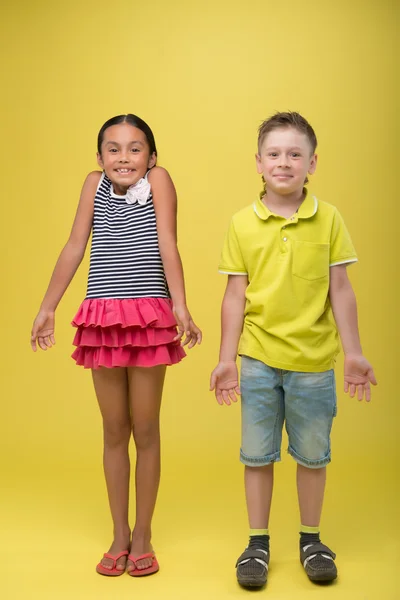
column 141, row 572
column 113, row 572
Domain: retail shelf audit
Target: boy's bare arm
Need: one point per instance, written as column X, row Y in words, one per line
column 224, row 378
column 358, row 373
column 344, row 306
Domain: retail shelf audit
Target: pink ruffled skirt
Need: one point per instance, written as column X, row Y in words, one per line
column 137, row 332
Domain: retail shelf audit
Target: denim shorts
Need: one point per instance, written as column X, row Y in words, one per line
column 306, row 402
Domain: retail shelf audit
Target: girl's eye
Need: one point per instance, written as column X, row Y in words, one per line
column 135, row 150
column 113, row 150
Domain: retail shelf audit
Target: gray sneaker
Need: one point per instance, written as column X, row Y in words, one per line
column 252, row 567
column 318, row 562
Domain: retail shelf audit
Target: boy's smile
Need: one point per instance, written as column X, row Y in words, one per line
column 284, row 160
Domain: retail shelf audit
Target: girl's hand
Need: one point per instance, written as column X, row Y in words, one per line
column 358, row 374
column 186, row 326
column 225, row 381
column 43, row 331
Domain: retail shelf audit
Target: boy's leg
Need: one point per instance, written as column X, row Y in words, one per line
column 310, row 406
column 310, row 490
column 262, row 421
column 259, row 483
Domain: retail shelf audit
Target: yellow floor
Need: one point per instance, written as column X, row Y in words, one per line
column 56, row 526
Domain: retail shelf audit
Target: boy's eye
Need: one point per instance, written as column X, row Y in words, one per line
column 273, row 154
column 295, row 154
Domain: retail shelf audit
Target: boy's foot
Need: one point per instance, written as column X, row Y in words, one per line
column 318, row 562
column 252, row 567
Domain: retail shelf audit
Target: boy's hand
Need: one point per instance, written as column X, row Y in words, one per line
column 187, row 326
column 43, row 331
column 225, row 381
column 358, row 374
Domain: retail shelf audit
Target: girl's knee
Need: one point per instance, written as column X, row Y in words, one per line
column 116, row 434
column 146, row 436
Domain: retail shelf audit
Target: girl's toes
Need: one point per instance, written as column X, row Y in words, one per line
column 129, row 566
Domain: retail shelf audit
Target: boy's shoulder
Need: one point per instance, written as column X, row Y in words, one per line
column 245, row 215
column 326, row 216
column 326, row 208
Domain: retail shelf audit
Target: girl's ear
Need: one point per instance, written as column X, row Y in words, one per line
column 100, row 160
column 152, row 160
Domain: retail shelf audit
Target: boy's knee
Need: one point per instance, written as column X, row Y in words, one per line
column 312, row 459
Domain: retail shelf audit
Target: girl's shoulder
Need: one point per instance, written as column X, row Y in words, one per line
column 94, row 177
column 93, row 181
column 158, row 174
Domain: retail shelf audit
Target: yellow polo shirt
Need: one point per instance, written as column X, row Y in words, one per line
column 288, row 321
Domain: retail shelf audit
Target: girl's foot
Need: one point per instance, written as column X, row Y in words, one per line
column 140, row 546
column 119, row 544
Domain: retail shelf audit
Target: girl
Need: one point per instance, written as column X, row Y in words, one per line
column 126, row 326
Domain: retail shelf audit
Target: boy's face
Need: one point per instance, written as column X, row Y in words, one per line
column 284, row 160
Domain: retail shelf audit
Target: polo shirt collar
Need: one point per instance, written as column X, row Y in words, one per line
column 307, row 209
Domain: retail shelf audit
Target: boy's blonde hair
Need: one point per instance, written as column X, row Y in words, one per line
column 286, row 119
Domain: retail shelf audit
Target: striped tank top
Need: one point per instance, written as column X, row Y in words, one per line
column 125, row 260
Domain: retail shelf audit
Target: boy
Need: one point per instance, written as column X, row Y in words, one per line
column 286, row 258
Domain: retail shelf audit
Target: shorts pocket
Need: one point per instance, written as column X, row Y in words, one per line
column 310, row 260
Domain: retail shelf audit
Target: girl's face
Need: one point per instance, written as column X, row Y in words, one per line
column 284, row 160
column 125, row 156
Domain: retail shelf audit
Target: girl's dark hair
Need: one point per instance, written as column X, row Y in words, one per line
column 131, row 120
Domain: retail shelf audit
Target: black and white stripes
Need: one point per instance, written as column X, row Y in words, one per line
column 125, row 259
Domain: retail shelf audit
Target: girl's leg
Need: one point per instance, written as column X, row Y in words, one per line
column 145, row 391
column 111, row 387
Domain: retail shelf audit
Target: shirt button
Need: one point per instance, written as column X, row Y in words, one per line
column 285, row 239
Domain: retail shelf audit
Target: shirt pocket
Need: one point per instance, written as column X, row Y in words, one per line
column 310, row 260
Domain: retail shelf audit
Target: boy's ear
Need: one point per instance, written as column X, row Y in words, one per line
column 313, row 164
column 258, row 164
column 100, row 160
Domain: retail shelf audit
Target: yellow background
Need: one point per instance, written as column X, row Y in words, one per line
column 204, row 75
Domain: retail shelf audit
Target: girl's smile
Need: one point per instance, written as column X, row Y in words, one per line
column 125, row 156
